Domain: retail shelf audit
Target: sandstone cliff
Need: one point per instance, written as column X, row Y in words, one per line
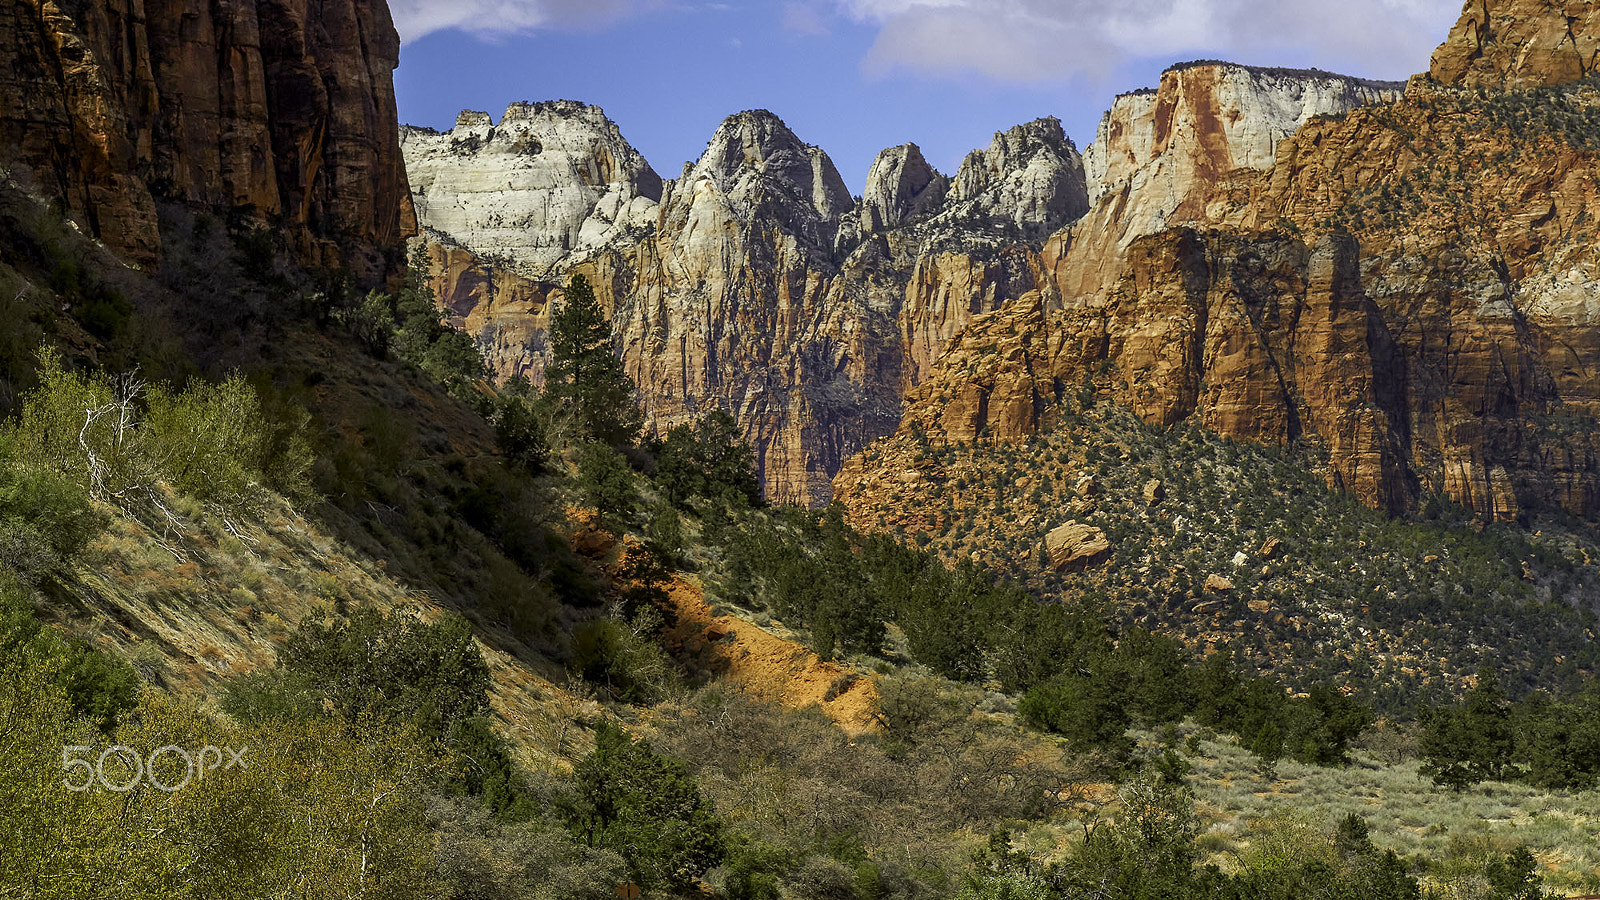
column 753, row 281
column 1177, row 155
column 1520, row 43
column 548, row 180
column 1410, row 285
column 277, row 112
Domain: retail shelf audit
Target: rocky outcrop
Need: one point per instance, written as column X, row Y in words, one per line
column 751, row 282
column 508, row 314
column 1520, row 44
column 549, row 180
column 1073, row 547
column 280, row 112
column 1409, row 285
column 901, row 186
column 1206, row 121
column 1181, row 153
column 1028, row 183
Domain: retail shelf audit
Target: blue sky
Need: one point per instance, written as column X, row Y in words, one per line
column 856, row 76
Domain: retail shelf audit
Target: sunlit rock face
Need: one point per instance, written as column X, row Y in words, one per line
column 1408, row 283
column 753, row 281
column 546, row 181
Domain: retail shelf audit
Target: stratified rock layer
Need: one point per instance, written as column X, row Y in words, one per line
column 753, row 282
column 269, row 111
column 1411, row 285
column 1179, row 154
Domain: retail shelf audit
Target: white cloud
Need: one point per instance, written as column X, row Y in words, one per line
column 804, row 18
column 415, row 18
column 1040, row 40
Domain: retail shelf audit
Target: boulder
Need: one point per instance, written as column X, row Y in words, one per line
column 1074, row 547
column 1216, row 584
column 1154, row 492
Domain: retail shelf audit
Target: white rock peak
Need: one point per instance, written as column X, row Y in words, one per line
column 1209, row 118
column 548, row 181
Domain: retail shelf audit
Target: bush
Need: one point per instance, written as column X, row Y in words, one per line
column 621, row 660
column 648, row 808
column 45, row 519
column 118, row 439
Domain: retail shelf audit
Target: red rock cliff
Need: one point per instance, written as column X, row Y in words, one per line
column 1412, row 284
column 279, row 110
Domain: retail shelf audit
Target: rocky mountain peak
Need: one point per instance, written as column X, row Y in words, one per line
column 548, row 180
column 471, row 119
column 1209, row 118
column 901, row 185
column 756, row 161
column 1520, row 43
column 1031, row 179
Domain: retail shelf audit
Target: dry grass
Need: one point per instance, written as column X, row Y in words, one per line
column 1406, row 811
column 193, row 606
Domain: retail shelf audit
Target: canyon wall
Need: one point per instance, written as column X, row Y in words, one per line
column 753, row 281
column 280, row 113
column 1410, row 284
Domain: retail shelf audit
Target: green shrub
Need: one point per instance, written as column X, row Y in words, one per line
column 648, row 808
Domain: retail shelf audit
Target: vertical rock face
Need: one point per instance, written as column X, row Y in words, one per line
column 1207, row 120
column 1176, row 155
column 1520, row 43
column 753, row 281
column 901, row 186
column 282, row 111
column 1410, row 284
column 549, row 180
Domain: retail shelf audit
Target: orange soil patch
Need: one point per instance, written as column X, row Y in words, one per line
column 767, row 667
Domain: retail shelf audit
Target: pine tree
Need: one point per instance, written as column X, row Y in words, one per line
column 585, row 375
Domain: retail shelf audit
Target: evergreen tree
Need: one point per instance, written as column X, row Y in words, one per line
column 584, row 372
column 607, row 485
column 711, row 459
column 646, row 807
column 1464, row 745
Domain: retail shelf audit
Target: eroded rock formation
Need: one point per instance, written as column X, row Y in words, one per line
column 1520, row 43
column 280, row 112
column 753, row 281
column 548, row 180
column 1411, row 284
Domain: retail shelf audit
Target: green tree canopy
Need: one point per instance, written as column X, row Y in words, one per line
column 585, row 374
column 709, row 459
column 646, row 807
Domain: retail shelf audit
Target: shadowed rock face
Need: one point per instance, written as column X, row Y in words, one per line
column 279, row 111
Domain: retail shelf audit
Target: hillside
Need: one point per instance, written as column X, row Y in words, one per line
column 1214, row 510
